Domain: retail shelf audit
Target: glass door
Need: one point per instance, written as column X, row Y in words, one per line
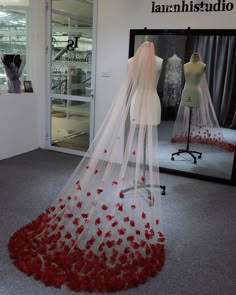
column 71, row 71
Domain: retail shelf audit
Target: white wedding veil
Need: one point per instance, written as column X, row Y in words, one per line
column 103, row 232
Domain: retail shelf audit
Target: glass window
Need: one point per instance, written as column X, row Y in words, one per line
column 13, row 50
column 71, row 51
column 70, row 124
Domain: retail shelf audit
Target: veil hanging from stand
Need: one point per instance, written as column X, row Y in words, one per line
column 204, row 124
column 95, row 236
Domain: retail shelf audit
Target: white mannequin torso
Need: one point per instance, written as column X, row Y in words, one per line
column 192, row 94
column 153, row 109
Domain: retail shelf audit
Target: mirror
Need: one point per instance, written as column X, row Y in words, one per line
column 217, row 49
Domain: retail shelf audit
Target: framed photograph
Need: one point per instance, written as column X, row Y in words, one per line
column 28, row 86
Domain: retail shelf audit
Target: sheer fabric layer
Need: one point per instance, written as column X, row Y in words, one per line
column 204, row 124
column 103, row 231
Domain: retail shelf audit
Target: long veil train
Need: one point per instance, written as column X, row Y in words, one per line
column 96, row 236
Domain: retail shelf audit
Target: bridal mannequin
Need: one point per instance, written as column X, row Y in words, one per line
column 193, row 71
column 153, row 108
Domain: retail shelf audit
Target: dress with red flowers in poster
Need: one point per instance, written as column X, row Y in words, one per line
column 97, row 235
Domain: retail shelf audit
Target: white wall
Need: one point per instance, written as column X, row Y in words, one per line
column 23, row 116
column 18, row 127
column 116, row 18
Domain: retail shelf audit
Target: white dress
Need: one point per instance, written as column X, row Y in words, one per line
column 172, row 82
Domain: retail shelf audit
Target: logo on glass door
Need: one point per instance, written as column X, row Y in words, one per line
column 72, row 44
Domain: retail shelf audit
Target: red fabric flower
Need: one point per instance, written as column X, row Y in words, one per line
column 143, row 215
column 99, row 232
column 114, row 182
column 98, row 221
column 104, row 207
column 135, row 245
column 108, row 234
column 110, row 244
column 96, row 171
column 132, row 223
column 138, row 232
column 147, row 225
column 160, row 234
column 88, row 194
column 114, row 223
column 69, row 215
column 99, row 191
column 80, row 229
column 119, row 242
column 157, row 221
column 126, row 219
column 142, row 178
column 133, row 207
column 121, row 195
column 134, row 153
column 68, row 235
column 130, row 238
column 119, row 206
column 105, row 151
column 60, row 200
column 121, row 231
column 69, row 198
column 84, row 215
column 76, row 221
column 79, row 205
column 109, row 217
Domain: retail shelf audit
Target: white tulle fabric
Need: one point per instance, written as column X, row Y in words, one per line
column 204, row 124
column 97, row 236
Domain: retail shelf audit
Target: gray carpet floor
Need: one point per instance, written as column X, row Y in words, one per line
column 198, row 218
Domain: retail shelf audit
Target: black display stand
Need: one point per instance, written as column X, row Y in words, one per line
column 187, row 150
column 143, row 184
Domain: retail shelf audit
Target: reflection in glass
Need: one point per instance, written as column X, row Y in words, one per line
column 71, row 48
column 216, row 161
column 70, row 124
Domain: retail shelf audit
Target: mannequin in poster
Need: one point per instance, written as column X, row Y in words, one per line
column 14, row 65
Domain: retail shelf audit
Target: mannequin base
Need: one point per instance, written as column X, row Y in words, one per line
column 145, row 187
column 191, row 153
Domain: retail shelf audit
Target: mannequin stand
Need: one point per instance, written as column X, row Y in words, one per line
column 187, row 150
column 143, row 184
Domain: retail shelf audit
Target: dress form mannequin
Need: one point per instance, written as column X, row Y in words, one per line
column 191, row 97
column 149, row 116
column 193, row 71
column 153, row 108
